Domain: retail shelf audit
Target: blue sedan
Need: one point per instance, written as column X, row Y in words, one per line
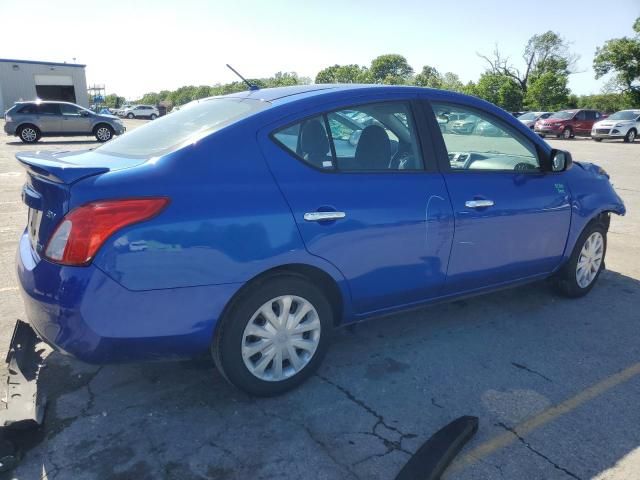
column 250, row 225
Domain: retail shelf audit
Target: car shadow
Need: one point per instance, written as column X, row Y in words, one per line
column 384, row 388
column 56, row 142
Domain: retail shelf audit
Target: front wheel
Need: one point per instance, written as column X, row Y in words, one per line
column 130, row 116
column 583, row 268
column 630, row 136
column 567, row 133
column 597, row 139
column 274, row 336
column 153, row 116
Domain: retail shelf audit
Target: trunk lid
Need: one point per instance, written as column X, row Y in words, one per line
column 50, row 176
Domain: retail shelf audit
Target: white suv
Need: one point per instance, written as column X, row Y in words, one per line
column 141, row 111
column 623, row 124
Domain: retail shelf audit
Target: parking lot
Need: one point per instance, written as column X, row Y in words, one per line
column 554, row 382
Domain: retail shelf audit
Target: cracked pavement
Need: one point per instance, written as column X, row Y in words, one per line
column 386, row 386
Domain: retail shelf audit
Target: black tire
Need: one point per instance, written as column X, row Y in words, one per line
column 229, row 338
column 103, row 132
column 542, row 135
column 29, row 133
column 566, row 278
column 630, row 136
column 130, row 115
column 153, row 116
column 597, row 139
column 567, row 133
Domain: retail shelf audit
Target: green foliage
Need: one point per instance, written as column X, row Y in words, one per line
column 428, row 77
column 621, row 57
column 343, row 74
column 607, row 102
column 113, row 101
column 189, row 93
column 390, row 69
column 499, row 89
column 547, row 92
column 451, row 81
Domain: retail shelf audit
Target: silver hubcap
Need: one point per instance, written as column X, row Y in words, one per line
column 567, row 133
column 104, row 133
column 281, row 338
column 29, row 134
column 590, row 260
column 632, row 136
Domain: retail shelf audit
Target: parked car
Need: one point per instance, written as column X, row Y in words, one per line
column 568, row 123
column 488, row 129
column 530, row 118
column 32, row 120
column 624, row 124
column 141, row 111
column 211, row 230
column 463, row 126
column 119, row 111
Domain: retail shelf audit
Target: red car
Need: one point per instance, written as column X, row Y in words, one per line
column 568, row 123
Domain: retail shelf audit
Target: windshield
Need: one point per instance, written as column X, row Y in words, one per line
column 184, row 127
column 564, row 115
column 528, row 116
column 625, row 115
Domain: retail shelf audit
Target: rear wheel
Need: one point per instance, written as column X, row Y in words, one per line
column 103, row 133
column 630, row 136
column 29, row 133
column 274, row 336
column 583, row 268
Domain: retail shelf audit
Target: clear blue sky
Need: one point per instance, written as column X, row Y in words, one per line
column 136, row 46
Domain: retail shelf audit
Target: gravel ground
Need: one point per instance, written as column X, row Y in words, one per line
column 555, row 382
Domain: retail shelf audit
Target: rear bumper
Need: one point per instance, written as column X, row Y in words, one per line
column 83, row 312
column 10, row 128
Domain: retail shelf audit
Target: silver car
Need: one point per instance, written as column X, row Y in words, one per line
column 530, row 118
column 32, row 120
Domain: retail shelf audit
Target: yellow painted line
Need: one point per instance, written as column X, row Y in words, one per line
column 550, row 414
column 8, row 289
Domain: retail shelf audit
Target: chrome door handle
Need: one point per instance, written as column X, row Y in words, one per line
column 323, row 216
column 478, row 203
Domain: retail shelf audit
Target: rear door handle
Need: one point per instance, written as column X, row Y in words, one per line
column 323, row 216
column 478, row 203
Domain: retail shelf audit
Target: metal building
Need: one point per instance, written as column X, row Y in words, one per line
column 29, row 79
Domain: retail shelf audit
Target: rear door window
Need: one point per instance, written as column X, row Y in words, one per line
column 376, row 137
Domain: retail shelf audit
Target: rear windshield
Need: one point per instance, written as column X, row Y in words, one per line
column 183, row 127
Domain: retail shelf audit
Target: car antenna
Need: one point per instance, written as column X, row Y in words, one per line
column 251, row 86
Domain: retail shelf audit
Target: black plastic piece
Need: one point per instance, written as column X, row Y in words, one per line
column 23, row 407
column 435, row 455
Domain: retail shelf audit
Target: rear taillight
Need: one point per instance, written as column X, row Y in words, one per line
column 83, row 230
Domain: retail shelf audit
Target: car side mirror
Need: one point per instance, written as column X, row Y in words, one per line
column 84, row 114
column 561, row 160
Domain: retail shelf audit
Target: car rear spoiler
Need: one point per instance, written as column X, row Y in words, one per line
column 51, row 166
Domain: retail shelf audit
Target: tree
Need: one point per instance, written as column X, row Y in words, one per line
column 428, row 77
column 547, row 92
column 451, row 81
column 343, row 74
column 621, row 56
column 391, row 69
column 500, row 89
column 547, row 52
column 113, row 101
